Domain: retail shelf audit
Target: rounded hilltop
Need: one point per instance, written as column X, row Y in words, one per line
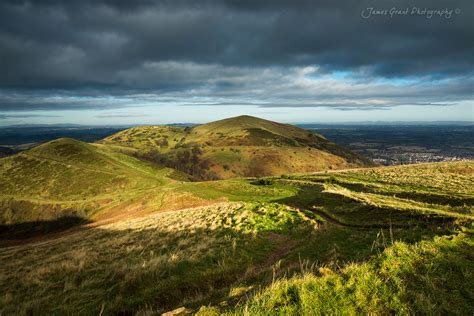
column 239, row 146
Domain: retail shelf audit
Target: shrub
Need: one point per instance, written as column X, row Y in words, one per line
column 263, row 181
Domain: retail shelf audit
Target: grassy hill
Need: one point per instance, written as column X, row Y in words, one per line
column 66, row 177
column 377, row 240
column 236, row 147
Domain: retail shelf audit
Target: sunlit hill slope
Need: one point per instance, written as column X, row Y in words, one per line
column 66, row 177
column 236, row 147
column 368, row 241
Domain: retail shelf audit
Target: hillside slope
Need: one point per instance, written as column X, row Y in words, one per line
column 430, row 277
column 236, row 147
column 360, row 241
column 66, row 177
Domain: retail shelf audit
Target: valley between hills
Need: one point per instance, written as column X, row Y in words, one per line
column 241, row 216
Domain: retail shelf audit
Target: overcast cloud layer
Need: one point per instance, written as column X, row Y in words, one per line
column 94, row 55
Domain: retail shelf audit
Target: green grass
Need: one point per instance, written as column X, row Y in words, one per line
column 430, row 277
column 236, row 190
column 405, row 196
column 360, row 241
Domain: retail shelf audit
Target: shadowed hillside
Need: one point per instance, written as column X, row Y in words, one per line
column 236, row 147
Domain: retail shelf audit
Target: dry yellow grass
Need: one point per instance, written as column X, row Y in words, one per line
column 163, row 259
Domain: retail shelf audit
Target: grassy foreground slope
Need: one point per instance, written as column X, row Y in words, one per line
column 162, row 260
column 431, row 277
column 367, row 237
column 236, row 147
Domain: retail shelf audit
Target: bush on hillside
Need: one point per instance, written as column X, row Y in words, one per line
column 263, row 181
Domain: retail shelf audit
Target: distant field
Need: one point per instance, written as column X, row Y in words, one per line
column 18, row 135
column 279, row 238
column 403, row 143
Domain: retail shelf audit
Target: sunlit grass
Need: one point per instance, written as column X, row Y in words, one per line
column 163, row 259
column 431, row 277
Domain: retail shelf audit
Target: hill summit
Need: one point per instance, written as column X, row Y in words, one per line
column 240, row 146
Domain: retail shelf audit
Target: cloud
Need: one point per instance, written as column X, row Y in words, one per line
column 19, row 116
column 189, row 84
column 107, row 54
column 120, row 115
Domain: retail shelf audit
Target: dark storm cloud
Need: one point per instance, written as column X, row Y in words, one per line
column 216, row 47
column 17, row 116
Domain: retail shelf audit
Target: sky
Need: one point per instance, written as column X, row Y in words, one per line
column 104, row 62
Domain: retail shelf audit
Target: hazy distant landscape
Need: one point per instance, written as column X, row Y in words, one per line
column 405, row 143
column 386, row 144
